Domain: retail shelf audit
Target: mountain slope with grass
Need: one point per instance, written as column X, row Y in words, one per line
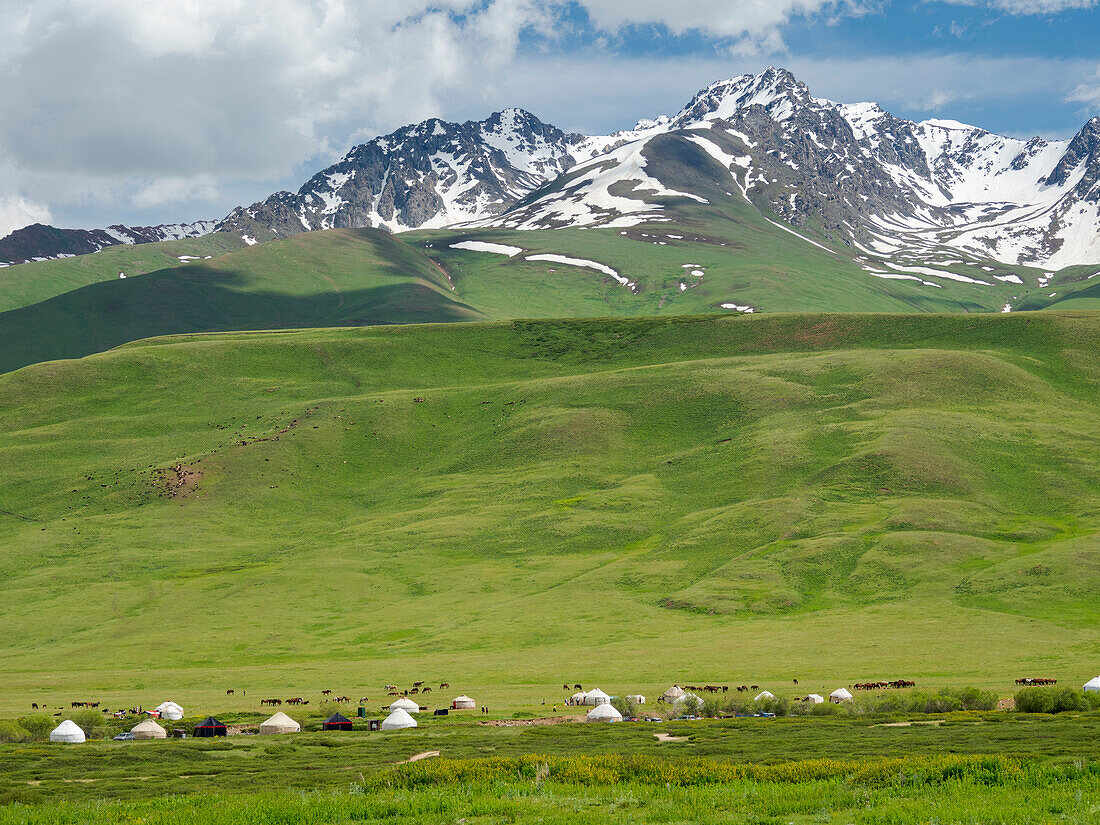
column 527, row 502
column 339, row 278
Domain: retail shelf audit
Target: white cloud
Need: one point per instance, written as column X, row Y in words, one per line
column 1026, row 7
column 17, row 212
column 183, row 108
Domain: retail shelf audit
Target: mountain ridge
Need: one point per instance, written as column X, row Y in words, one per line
column 851, row 173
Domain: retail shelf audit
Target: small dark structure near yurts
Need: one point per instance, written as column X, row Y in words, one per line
column 210, row 727
column 336, row 722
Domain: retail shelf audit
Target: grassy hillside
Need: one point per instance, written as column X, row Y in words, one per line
column 510, row 506
column 718, row 256
column 27, row 284
column 333, row 278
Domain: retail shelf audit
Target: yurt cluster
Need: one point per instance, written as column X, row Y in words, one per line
column 400, row 717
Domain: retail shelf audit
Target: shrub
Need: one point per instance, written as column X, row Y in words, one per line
column 14, row 732
column 974, row 699
column 38, row 726
column 622, row 706
column 91, row 722
column 1053, row 700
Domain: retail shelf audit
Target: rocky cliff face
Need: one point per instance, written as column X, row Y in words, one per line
column 429, row 175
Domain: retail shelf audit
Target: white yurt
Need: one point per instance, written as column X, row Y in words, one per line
column 596, row 697
column 604, row 713
column 170, row 711
column 673, row 693
column 67, row 731
column 406, row 704
column 279, row 723
column 636, row 699
column 577, row 698
column 463, row 702
column 815, row 699
column 840, row 695
column 1093, row 686
column 148, row 730
column 398, row 720
column 764, row 694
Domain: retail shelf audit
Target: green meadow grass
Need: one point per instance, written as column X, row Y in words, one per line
column 353, row 277
column 338, row 278
column 26, row 284
column 624, row 503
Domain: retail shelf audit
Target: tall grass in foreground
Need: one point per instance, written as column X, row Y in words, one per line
column 944, row 790
column 648, row 770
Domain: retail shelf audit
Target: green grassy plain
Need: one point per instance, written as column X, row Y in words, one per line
column 970, row 768
column 624, row 503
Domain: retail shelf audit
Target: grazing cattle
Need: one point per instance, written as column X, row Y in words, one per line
column 1030, row 681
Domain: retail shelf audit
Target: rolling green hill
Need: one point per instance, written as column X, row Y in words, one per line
column 513, row 505
column 711, row 258
column 343, row 277
column 27, row 284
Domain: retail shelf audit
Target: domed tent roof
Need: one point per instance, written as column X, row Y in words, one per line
column 815, row 699
column 578, row 698
column 596, row 697
column 1093, row 685
column 210, row 727
column 463, row 702
column 673, row 693
column 604, row 713
column 407, row 704
column 841, row 695
column 764, row 694
column 279, row 723
column 636, row 698
column 170, row 711
column 398, row 720
column 148, row 730
column 337, row 722
column 68, row 731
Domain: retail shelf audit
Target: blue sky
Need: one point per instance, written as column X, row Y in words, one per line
column 149, row 111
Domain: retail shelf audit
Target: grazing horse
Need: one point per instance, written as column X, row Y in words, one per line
column 325, row 692
column 444, row 685
column 576, row 687
column 426, row 690
column 229, row 692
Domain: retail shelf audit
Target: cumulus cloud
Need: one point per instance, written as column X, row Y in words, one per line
column 184, row 108
column 16, row 212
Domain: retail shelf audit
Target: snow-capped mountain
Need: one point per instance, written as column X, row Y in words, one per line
column 426, row 176
column 854, row 174
column 862, row 177
column 39, row 242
